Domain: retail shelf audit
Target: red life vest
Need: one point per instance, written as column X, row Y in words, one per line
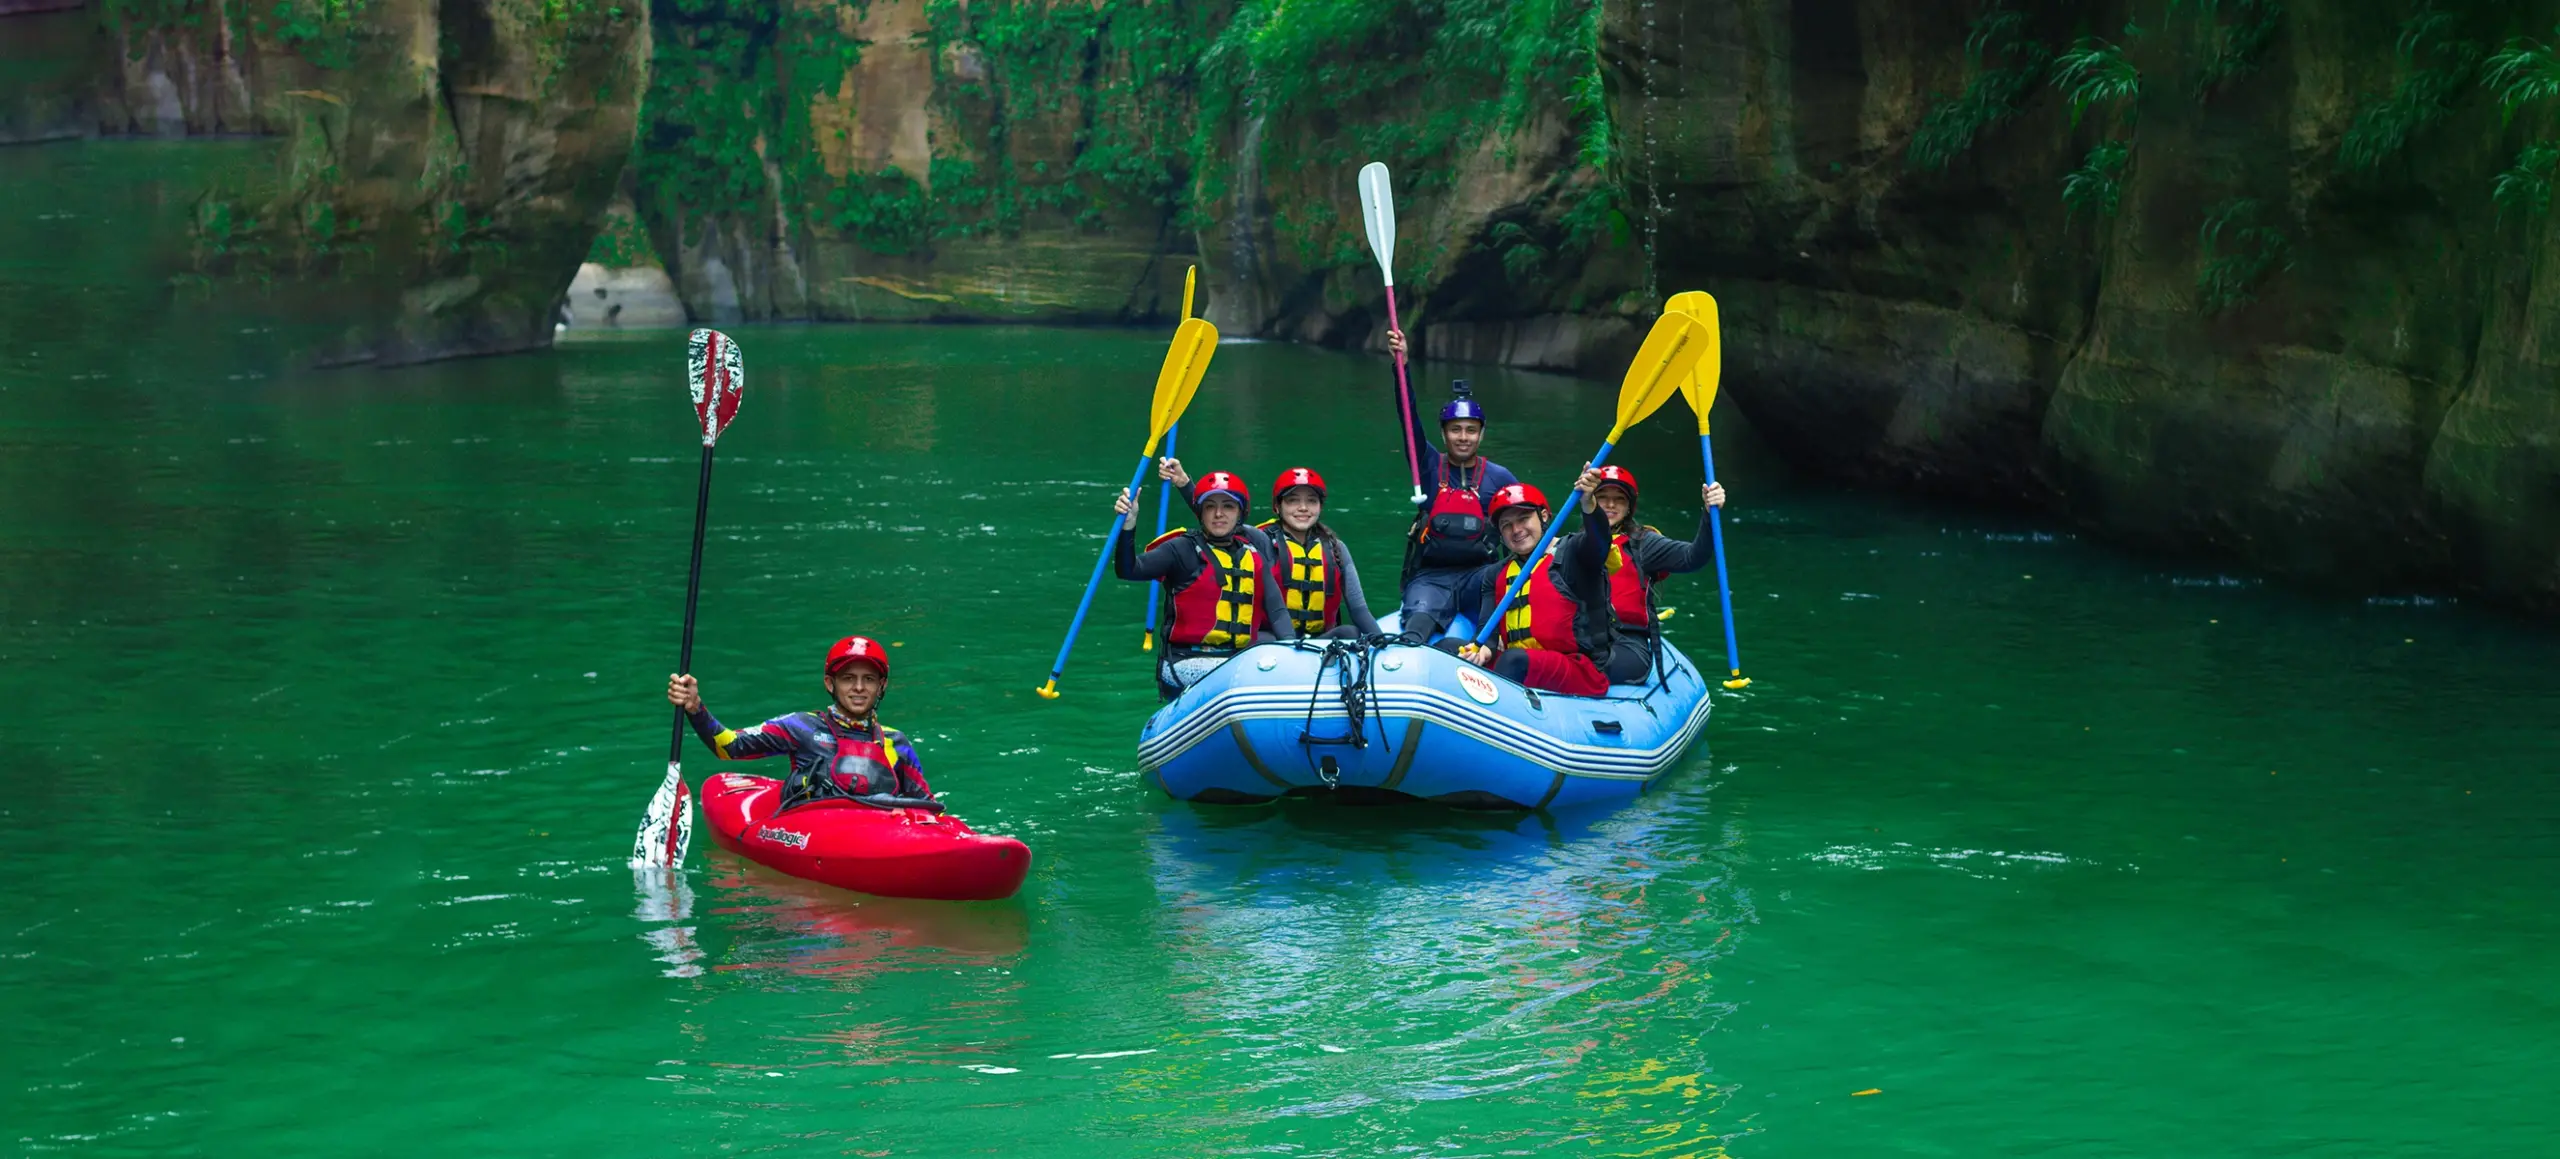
column 860, row 764
column 1544, row 617
column 1454, row 530
column 1220, row 609
column 1312, row 585
column 1631, row 591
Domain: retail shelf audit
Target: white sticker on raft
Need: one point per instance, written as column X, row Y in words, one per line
column 1478, row 686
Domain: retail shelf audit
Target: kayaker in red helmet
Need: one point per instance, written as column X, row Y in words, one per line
column 1651, row 557
column 1219, row 600
column 1560, row 634
column 840, row 751
column 1452, row 535
column 1319, row 583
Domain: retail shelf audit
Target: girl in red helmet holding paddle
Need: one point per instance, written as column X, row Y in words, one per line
column 1651, row 557
column 1217, row 578
column 841, row 750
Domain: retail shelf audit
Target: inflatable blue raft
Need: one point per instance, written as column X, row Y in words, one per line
column 1307, row 717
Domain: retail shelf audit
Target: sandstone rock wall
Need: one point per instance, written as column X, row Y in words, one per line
column 2274, row 346
column 445, row 162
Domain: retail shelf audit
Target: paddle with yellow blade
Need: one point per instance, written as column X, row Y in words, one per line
column 1700, row 389
column 1184, row 362
column 1669, row 353
column 1164, row 493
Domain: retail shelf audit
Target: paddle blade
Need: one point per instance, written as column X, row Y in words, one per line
column 717, row 375
column 1665, row 360
column 1190, row 277
column 1700, row 387
column 1184, row 362
column 1378, row 212
column 667, row 828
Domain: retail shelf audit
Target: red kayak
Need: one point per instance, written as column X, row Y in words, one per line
column 861, row 847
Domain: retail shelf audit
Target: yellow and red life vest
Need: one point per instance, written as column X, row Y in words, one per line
column 1311, row 584
column 1544, row 617
column 1631, row 591
column 1220, row 609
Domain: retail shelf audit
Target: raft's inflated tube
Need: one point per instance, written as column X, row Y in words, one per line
column 1275, row 721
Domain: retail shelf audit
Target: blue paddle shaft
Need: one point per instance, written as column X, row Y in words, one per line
column 1724, row 587
column 1110, row 540
column 1164, row 507
column 1494, row 621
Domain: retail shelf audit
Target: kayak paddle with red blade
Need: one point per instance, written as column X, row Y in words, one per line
column 716, row 373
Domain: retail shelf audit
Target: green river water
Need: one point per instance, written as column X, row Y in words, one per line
column 334, row 697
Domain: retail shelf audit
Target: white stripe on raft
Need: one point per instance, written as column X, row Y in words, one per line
column 1410, row 701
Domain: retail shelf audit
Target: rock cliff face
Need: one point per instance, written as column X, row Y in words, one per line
column 927, row 159
column 2269, row 278
column 2275, row 280
column 444, row 163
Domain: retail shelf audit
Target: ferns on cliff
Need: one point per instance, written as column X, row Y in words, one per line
column 1990, row 96
column 2523, row 74
column 2436, row 66
column 2094, row 72
column 2237, row 254
column 2231, row 47
column 2094, row 187
column 2525, row 188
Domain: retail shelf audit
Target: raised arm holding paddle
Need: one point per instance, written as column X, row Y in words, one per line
column 1164, row 492
column 1670, row 352
column 1700, row 391
column 1184, row 363
column 1378, row 214
column 717, row 376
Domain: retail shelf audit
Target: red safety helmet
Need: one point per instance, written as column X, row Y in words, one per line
column 854, row 650
column 1515, row 495
column 1297, row 477
column 1221, row 483
column 1621, row 476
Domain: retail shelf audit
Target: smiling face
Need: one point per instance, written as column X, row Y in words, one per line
column 1300, row 508
column 1219, row 516
column 1463, row 437
column 1614, row 503
column 1520, row 528
column 857, row 688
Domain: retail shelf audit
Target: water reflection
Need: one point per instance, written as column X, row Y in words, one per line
column 666, row 898
column 1368, row 958
column 802, row 928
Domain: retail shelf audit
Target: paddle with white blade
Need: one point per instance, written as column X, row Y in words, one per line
column 717, row 375
column 1378, row 213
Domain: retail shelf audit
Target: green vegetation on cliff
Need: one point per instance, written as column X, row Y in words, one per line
column 1102, row 117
